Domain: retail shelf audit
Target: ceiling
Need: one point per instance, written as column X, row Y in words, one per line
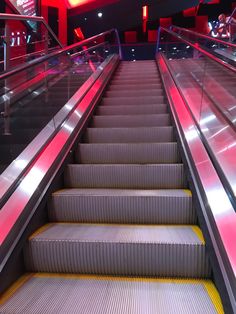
column 126, row 14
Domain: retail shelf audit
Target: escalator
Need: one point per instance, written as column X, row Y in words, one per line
column 122, row 233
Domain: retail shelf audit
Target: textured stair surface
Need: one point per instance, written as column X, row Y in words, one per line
column 129, row 176
column 41, row 293
column 130, row 135
column 125, row 210
column 141, row 153
column 123, row 206
column 177, row 251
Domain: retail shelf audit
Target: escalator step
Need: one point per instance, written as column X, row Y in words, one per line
column 141, row 153
column 134, row 93
column 122, row 206
column 141, row 101
column 137, row 82
column 105, row 295
column 123, row 87
column 163, row 250
column 116, row 121
column 130, row 135
column 159, row 176
column 121, row 110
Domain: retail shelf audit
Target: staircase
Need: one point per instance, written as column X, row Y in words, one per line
column 123, row 234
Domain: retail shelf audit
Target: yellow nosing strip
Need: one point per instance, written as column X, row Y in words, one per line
column 188, row 192
column 40, row 230
column 199, row 234
column 208, row 285
column 117, row 278
column 19, row 283
column 214, row 296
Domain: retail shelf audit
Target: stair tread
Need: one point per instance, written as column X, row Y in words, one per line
column 125, row 295
column 170, row 234
column 124, row 192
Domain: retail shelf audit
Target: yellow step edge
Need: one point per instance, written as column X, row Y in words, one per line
column 16, row 286
column 41, row 230
column 214, row 296
column 208, row 284
column 199, row 234
column 188, row 192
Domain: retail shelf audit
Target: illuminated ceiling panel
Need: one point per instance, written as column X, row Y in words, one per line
column 88, row 3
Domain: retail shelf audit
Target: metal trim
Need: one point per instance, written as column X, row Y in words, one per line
column 204, row 36
column 23, row 202
column 53, row 54
column 6, row 16
column 195, row 46
column 11, row 176
column 219, row 215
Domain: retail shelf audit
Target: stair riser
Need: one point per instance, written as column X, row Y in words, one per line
column 135, row 93
column 128, row 154
column 121, row 209
column 130, row 121
column 131, row 135
column 126, row 176
column 133, row 101
column 125, row 87
column 137, row 82
column 146, row 259
column 122, row 110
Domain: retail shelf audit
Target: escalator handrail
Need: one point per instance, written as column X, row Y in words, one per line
column 17, row 17
column 10, row 178
column 31, row 54
column 196, row 46
column 24, row 200
column 217, row 212
column 217, row 40
column 58, row 53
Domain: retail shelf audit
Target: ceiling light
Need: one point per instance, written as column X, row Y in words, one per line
column 100, row 14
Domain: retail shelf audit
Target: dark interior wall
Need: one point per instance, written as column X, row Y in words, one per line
column 127, row 15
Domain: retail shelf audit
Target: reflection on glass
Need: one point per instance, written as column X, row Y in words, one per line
column 31, row 98
column 209, row 89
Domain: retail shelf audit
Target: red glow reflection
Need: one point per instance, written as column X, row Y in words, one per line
column 74, row 3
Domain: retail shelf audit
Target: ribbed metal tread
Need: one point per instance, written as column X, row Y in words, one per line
column 147, row 100
column 130, row 76
column 157, row 176
column 122, row 206
column 134, row 93
column 151, row 120
column 130, row 135
column 121, row 110
column 123, row 87
column 137, row 82
column 163, row 250
column 141, row 153
column 109, row 295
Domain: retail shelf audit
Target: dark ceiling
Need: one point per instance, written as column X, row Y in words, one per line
column 127, row 14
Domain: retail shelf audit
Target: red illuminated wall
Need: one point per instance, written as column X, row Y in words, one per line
column 16, row 26
column 82, row 6
column 62, row 8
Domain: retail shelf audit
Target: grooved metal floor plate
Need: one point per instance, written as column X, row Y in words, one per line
column 120, row 233
column 122, row 206
column 43, row 294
